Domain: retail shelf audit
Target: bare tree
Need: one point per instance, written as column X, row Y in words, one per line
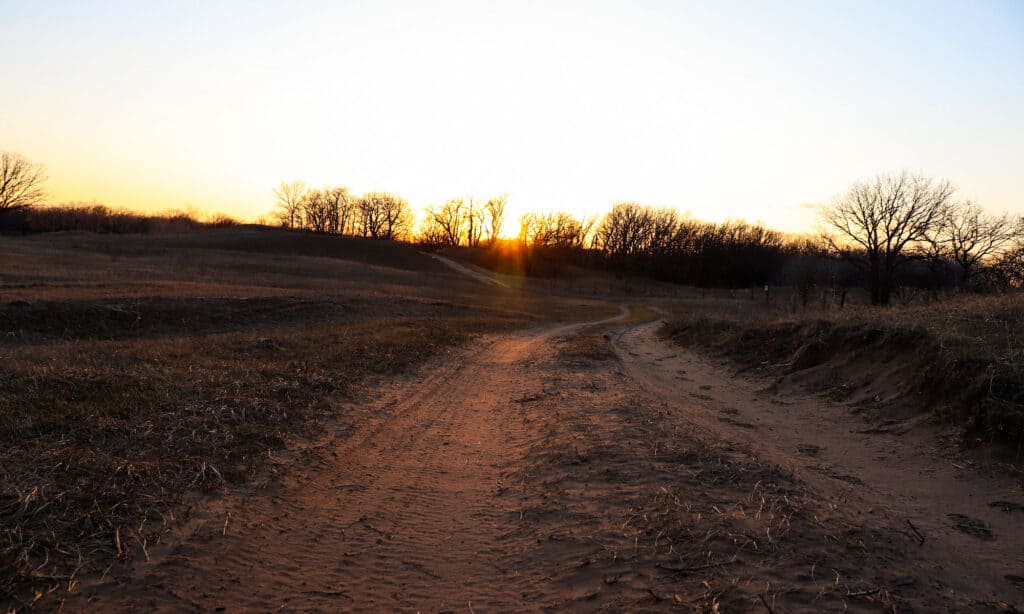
column 624, row 234
column 933, row 250
column 557, row 230
column 289, row 201
column 384, row 215
column 317, row 210
column 465, row 220
column 973, row 237
column 1009, row 268
column 877, row 223
column 21, row 182
column 449, row 221
column 664, row 227
column 495, row 210
column 585, row 237
column 474, row 222
column 341, row 209
column 431, row 234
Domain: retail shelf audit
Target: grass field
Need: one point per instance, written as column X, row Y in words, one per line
column 145, row 378
column 137, row 372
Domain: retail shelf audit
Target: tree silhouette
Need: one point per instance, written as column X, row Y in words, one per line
column 21, row 182
column 290, row 202
column 495, row 210
column 971, row 237
column 877, row 223
column 384, row 215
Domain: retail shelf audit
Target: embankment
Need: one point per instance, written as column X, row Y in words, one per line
column 962, row 360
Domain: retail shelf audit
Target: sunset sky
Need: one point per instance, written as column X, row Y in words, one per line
column 722, row 109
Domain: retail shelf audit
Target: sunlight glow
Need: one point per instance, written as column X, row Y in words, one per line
column 743, row 109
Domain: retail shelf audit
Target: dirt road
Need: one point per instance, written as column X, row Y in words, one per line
column 525, row 474
column 971, row 522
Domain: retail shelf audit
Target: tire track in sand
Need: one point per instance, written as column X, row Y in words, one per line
column 403, row 515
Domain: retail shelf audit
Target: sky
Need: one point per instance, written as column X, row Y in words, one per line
column 756, row 110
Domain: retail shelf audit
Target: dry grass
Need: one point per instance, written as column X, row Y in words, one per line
column 963, row 357
column 100, row 442
column 593, row 343
column 259, row 240
column 735, row 532
column 644, row 512
column 136, row 373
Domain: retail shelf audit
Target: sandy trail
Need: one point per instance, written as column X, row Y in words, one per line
column 899, row 474
column 516, row 476
column 399, row 516
column 486, row 278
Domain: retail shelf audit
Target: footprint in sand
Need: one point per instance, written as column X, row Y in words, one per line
column 808, row 449
column 972, row 526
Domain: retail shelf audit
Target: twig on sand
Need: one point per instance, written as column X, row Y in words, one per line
column 117, row 541
column 697, row 567
column 918, row 533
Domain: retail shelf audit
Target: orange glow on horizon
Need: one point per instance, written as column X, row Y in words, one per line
column 744, row 113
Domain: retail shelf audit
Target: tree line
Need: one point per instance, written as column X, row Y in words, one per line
column 891, row 231
column 335, row 210
column 891, row 223
column 22, row 194
column 92, row 217
column 465, row 220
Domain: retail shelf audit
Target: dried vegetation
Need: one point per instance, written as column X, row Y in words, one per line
column 135, row 377
column 962, row 358
column 645, row 511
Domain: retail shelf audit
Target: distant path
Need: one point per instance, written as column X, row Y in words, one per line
column 465, row 270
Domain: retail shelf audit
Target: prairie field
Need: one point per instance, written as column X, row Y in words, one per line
column 259, row 418
column 141, row 371
column 472, row 307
